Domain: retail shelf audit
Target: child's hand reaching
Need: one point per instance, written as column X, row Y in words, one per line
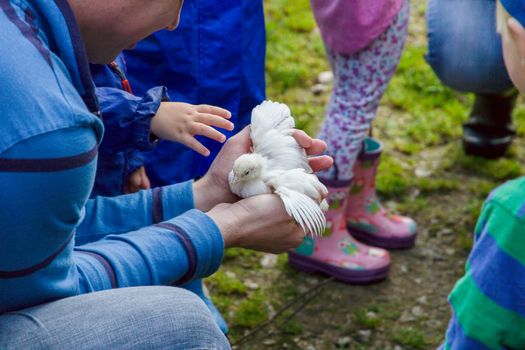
column 180, row 122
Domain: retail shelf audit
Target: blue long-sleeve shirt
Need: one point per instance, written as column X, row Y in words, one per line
column 48, row 151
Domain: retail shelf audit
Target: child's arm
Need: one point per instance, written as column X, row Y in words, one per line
column 127, row 118
column 181, row 122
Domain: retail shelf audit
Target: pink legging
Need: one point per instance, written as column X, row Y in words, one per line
column 360, row 81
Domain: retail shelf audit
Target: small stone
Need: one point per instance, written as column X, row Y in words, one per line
column 271, row 310
column 344, row 341
column 446, row 231
column 434, row 324
column 423, row 172
column 403, row 269
column 427, row 253
column 251, row 285
column 397, row 347
column 318, row 89
column 302, row 289
column 422, row 300
column 439, row 257
column 417, row 311
column 269, row 260
column 450, row 251
column 371, row 314
column 364, row 335
column 406, row 317
column 269, row 342
column 325, row 77
column 418, row 280
column 230, row 274
column 310, row 280
column 310, row 347
column 390, row 205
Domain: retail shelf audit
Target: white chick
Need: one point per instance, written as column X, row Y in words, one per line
column 279, row 165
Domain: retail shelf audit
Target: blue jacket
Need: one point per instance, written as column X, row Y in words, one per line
column 127, row 120
column 216, row 56
column 54, row 242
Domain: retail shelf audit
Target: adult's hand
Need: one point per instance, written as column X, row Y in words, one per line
column 214, row 189
column 260, row 223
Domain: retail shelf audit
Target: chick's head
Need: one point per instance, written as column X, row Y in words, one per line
column 249, row 166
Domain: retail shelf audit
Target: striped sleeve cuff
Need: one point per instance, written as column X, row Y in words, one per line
column 172, row 252
column 203, row 241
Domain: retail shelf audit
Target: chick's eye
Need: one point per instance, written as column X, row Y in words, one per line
column 246, row 172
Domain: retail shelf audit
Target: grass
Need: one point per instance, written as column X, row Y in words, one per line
column 409, row 337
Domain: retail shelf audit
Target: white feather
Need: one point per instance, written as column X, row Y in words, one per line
column 304, row 210
column 272, row 126
column 279, row 165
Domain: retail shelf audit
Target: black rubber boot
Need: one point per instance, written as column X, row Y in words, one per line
column 489, row 132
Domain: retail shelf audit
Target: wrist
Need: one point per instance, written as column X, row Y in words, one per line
column 204, row 195
column 228, row 221
column 154, row 122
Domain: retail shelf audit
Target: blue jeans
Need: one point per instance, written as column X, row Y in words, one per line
column 464, row 49
column 127, row 318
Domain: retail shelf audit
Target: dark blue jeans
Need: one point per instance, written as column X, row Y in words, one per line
column 464, row 49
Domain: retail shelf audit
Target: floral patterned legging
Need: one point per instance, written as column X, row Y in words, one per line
column 360, row 80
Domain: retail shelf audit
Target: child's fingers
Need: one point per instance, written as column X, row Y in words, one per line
column 209, row 132
column 145, row 184
column 214, row 110
column 195, row 145
column 132, row 184
column 214, row 120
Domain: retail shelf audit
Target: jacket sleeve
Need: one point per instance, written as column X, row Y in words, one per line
column 127, row 118
column 47, row 180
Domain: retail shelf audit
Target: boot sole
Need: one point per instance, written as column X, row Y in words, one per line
column 382, row 242
column 311, row 266
column 486, row 150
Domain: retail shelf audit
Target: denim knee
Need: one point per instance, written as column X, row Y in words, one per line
column 464, row 49
column 140, row 317
column 191, row 317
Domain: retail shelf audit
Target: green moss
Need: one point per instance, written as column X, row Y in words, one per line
column 223, row 302
column 251, row 311
column 500, row 169
column 481, row 188
column 433, row 113
column 221, row 283
column 392, row 179
column 413, row 206
column 366, row 320
column 464, row 239
column 292, row 327
column 295, row 53
column 233, row 253
column 441, row 185
column 519, row 119
column 409, row 337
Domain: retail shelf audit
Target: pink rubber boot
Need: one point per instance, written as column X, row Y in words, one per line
column 367, row 220
column 337, row 253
